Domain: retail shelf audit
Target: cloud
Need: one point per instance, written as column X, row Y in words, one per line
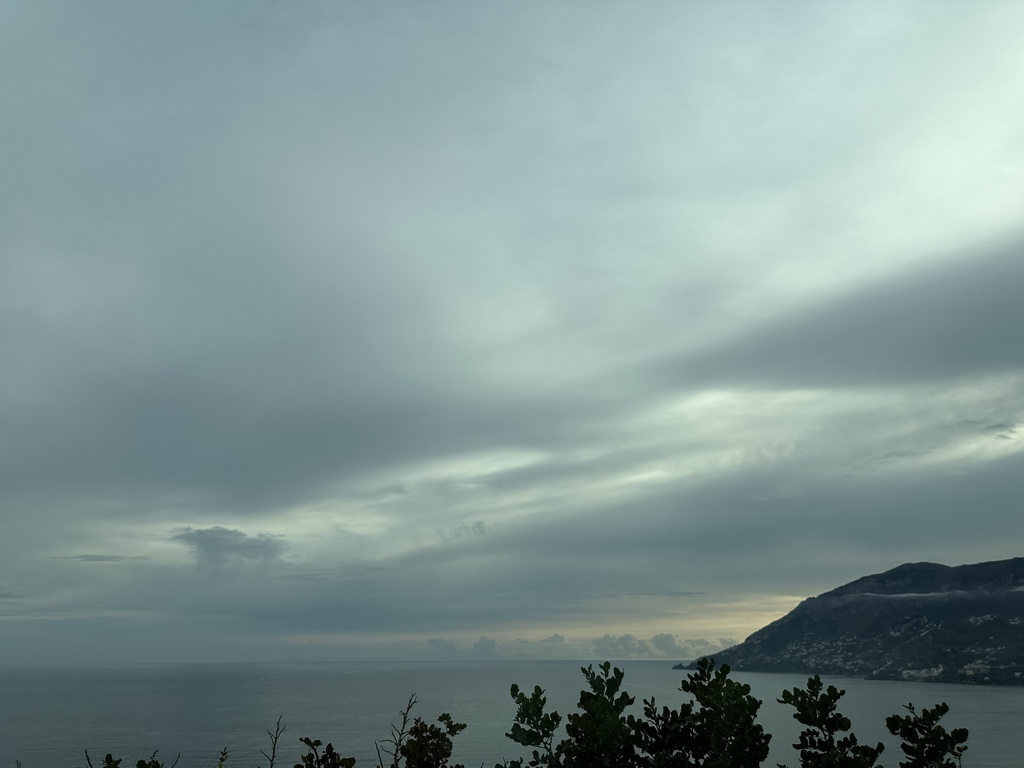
column 952, row 320
column 667, row 644
column 485, row 645
column 443, row 647
column 620, row 647
column 8, row 594
column 219, row 546
column 536, row 356
column 464, row 532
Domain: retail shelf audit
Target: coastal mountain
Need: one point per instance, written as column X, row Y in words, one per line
column 919, row 621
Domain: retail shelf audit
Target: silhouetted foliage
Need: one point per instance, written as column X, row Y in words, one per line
column 329, row 758
column 723, row 729
column 715, row 728
column 598, row 735
column 819, row 746
column 926, row 743
column 429, row 746
column 110, row 762
column 419, row 744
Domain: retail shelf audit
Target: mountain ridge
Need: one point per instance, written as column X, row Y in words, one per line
column 917, row 621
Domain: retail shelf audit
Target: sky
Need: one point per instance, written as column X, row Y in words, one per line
column 462, row 330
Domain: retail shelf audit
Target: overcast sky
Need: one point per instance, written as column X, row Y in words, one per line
column 358, row 330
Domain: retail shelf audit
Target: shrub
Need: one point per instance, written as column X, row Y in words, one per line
column 926, row 743
column 717, row 729
column 819, row 746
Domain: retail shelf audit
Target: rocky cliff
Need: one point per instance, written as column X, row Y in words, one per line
column 919, row 621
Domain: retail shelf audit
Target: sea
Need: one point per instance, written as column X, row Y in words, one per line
column 50, row 717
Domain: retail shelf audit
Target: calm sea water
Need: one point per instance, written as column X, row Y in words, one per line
column 48, row 717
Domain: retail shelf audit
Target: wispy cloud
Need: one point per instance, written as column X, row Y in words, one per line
column 101, row 558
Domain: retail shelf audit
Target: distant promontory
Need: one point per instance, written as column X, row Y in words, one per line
column 918, row 621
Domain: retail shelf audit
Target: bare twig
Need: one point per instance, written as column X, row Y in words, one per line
column 399, row 733
column 278, row 730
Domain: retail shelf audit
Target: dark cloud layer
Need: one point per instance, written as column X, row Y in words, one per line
column 953, row 320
